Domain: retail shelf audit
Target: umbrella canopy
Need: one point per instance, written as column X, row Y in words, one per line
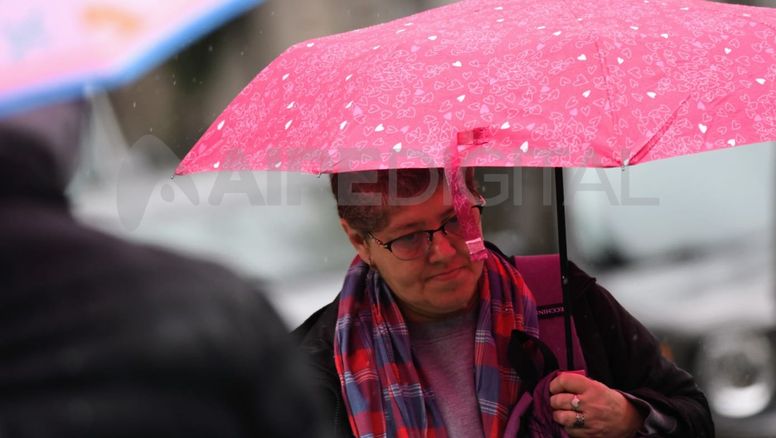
column 513, row 83
column 51, row 51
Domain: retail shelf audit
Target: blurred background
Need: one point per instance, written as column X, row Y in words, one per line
column 687, row 244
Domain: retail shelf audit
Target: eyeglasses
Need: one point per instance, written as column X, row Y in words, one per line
column 413, row 245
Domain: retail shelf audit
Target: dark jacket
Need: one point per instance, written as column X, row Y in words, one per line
column 618, row 350
column 104, row 338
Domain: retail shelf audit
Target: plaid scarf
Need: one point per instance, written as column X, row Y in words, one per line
column 385, row 394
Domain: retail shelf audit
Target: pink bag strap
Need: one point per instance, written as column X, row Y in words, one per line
column 542, row 274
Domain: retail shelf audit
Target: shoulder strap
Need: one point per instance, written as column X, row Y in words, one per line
column 542, row 274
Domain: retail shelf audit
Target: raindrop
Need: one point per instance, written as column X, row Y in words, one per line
column 557, row 33
column 347, row 78
column 376, row 47
column 702, row 127
column 664, row 35
column 285, row 76
column 343, row 124
column 288, row 123
column 167, row 193
column 310, row 44
column 432, row 37
column 221, row 124
column 505, row 125
column 586, row 93
column 457, row 64
column 216, row 165
column 731, row 142
column 760, row 81
column 620, row 60
column 634, row 27
column 651, row 94
column 290, row 105
column 397, row 147
column 461, row 98
column 499, row 8
column 278, row 164
column 500, row 20
column 524, row 146
column 582, row 57
column 380, row 128
column 542, row 27
column 728, row 50
column 350, row 104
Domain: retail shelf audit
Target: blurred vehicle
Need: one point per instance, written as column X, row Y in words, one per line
column 687, row 245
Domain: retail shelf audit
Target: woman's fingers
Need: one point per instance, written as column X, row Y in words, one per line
column 586, row 407
column 570, row 419
column 569, row 382
column 566, row 401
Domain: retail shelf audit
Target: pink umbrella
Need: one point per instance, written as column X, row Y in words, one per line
column 52, row 50
column 552, row 83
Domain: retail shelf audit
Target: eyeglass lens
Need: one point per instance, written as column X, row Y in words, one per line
column 416, row 244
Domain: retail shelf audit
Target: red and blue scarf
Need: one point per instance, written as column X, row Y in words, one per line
column 385, row 394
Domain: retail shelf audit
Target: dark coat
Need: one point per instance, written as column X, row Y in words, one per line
column 618, row 350
column 104, row 338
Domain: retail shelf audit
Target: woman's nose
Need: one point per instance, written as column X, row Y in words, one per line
column 441, row 248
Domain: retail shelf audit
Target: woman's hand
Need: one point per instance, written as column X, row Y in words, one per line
column 588, row 408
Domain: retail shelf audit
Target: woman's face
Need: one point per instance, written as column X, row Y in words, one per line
column 440, row 283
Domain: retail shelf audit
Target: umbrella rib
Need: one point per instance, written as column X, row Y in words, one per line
column 609, row 89
column 636, row 158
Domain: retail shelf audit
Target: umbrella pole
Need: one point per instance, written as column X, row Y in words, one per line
column 560, row 208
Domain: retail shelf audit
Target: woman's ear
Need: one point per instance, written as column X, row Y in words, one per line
column 357, row 240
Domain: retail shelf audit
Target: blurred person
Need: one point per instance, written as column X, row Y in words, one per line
column 104, row 338
column 420, row 340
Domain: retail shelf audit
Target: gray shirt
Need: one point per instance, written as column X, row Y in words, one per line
column 444, row 354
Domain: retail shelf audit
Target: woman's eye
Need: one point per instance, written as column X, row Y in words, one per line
column 408, row 238
column 452, row 225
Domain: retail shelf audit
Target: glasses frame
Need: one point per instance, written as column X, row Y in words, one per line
column 387, row 245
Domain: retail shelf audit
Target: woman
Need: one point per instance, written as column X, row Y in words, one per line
column 417, row 342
